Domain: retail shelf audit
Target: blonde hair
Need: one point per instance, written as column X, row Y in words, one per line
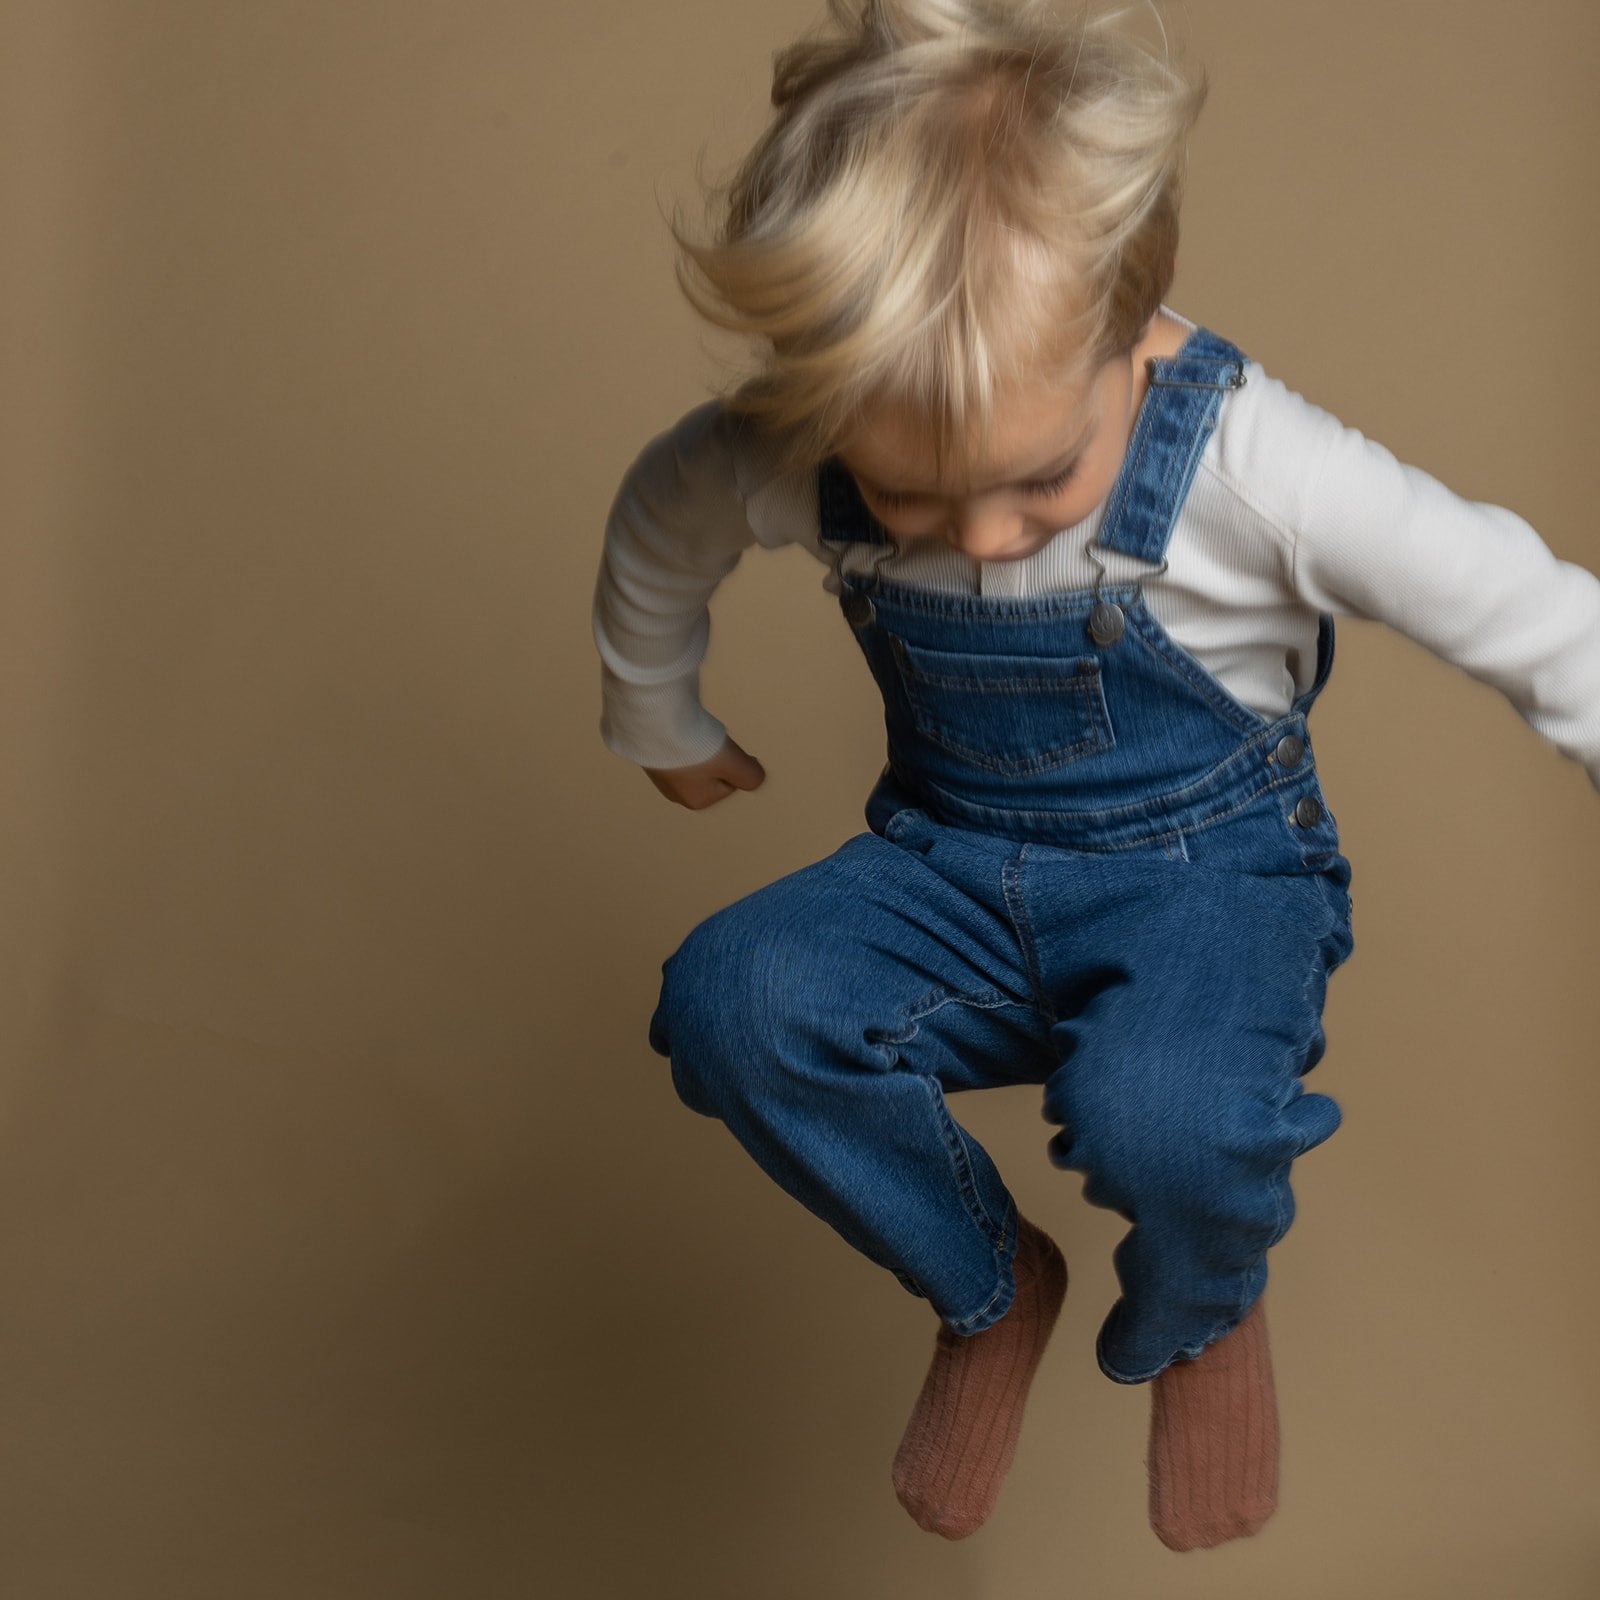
column 952, row 195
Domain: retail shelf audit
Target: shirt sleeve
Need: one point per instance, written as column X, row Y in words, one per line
column 1470, row 581
column 677, row 527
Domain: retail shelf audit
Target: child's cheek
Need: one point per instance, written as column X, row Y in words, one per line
column 1061, row 511
column 911, row 522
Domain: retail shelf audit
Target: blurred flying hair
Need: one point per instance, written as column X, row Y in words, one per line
column 952, row 196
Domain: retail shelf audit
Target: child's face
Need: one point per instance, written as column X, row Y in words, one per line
column 1053, row 455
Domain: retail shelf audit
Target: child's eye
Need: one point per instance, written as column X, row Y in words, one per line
column 1054, row 485
column 884, row 498
column 1043, row 488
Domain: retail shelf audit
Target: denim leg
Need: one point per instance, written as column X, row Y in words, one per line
column 1188, row 1011
column 823, row 1017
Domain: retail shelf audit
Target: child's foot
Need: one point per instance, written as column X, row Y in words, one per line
column 1213, row 1459
column 961, row 1438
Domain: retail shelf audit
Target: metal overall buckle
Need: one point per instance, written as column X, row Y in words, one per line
column 1107, row 623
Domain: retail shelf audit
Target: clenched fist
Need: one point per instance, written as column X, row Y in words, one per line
column 707, row 782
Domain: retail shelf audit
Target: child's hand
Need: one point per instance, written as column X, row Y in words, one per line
column 707, row 782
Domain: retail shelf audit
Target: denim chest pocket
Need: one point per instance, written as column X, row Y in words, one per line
column 1005, row 713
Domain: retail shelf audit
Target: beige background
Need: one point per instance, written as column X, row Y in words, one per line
column 352, row 1240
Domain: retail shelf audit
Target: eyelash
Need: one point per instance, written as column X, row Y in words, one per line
column 1048, row 487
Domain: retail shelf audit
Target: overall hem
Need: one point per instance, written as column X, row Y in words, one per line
column 1182, row 1353
column 1005, row 1292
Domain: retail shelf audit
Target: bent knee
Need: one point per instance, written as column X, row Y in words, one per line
column 729, row 994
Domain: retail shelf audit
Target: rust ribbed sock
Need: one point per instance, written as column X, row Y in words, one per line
column 963, row 1432
column 1213, row 1458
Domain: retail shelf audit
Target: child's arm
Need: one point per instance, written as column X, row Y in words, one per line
column 677, row 527
column 1470, row 581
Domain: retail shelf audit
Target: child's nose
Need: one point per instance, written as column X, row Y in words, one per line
column 985, row 534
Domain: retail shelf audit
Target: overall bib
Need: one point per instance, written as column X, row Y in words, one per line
column 1088, row 867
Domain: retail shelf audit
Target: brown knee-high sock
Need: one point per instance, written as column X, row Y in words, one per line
column 963, row 1432
column 1213, row 1458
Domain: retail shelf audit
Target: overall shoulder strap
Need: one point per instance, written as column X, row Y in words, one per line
column 1175, row 419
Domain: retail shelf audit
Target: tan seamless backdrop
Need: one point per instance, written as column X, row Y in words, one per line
column 352, row 1240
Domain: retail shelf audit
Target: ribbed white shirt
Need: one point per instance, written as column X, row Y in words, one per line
column 1290, row 513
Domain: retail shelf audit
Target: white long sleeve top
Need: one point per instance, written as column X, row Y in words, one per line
column 1290, row 513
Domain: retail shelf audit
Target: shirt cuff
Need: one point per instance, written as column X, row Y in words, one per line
column 658, row 724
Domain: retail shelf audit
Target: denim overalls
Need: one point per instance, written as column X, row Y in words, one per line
column 1088, row 867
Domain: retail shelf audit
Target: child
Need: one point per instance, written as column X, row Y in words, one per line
column 1092, row 553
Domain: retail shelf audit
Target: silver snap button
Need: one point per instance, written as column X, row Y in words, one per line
column 1290, row 751
column 1308, row 813
column 1106, row 623
column 858, row 609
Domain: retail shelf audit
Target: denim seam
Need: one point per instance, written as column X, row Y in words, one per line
column 1184, row 666
column 1022, row 926
column 1297, row 1054
column 960, row 1163
column 1054, row 672
column 986, row 999
column 1000, row 1301
column 1284, row 782
column 989, row 999
column 1175, row 799
column 1064, row 684
column 1011, row 610
column 1018, row 766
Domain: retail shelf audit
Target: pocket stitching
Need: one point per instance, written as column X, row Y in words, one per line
column 1076, row 680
